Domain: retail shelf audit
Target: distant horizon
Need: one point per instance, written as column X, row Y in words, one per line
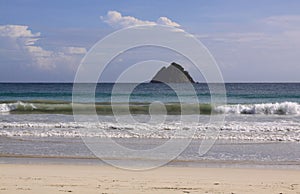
column 296, row 82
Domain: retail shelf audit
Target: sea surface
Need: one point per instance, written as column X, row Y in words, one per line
column 261, row 122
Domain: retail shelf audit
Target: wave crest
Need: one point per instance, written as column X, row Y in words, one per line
column 284, row 108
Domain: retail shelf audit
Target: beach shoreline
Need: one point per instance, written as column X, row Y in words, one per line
column 45, row 150
column 60, row 178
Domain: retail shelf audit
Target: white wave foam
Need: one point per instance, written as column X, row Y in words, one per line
column 284, row 108
column 4, row 108
column 288, row 131
column 8, row 107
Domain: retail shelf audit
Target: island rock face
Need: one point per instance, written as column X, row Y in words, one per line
column 174, row 73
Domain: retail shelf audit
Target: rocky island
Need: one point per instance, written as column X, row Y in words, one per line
column 174, row 73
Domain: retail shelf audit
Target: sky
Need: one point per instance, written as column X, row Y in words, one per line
column 252, row 41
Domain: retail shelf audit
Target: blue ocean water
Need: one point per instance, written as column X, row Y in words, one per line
column 244, row 93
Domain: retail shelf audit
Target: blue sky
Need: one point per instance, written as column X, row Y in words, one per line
column 252, row 41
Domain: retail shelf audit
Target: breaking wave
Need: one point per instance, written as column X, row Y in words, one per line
column 284, row 108
column 60, row 107
column 8, row 107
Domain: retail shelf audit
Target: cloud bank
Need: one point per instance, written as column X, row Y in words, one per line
column 18, row 42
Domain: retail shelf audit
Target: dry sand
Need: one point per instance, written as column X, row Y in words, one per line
column 44, row 179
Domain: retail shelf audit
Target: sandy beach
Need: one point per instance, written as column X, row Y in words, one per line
column 48, row 178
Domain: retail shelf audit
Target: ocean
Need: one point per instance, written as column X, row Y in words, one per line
column 261, row 126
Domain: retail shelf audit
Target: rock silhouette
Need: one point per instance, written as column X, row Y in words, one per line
column 174, row 73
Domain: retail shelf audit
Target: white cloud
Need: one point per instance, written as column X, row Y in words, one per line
column 116, row 20
column 17, row 31
column 167, row 21
column 22, row 40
